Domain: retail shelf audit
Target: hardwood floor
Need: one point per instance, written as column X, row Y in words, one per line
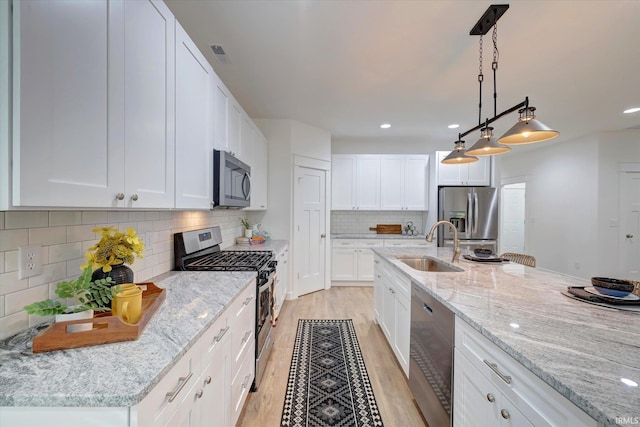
column 264, row 407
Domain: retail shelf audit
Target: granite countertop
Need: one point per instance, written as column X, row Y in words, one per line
column 581, row 350
column 119, row 374
column 375, row 236
column 270, row 245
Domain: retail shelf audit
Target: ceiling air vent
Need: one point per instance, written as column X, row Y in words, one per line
column 218, row 51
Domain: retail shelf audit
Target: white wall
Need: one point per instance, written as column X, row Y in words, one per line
column 345, row 146
column 571, row 196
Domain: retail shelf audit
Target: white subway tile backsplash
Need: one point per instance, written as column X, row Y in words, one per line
column 1, row 220
column 47, row 236
column 21, row 219
column 16, row 301
column 1, row 305
column 153, row 215
column 80, row 233
column 13, row 323
column 65, row 252
column 73, row 266
column 9, row 283
column 65, row 218
column 2, row 270
column 117, row 216
column 36, row 320
column 10, row 261
column 94, row 217
column 13, row 239
column 136, row 216
column 50, row 273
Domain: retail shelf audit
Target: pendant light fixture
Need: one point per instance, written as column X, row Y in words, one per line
column 458, row 155
column 526, row 131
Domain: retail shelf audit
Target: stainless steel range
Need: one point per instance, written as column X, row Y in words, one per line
column 199, row 250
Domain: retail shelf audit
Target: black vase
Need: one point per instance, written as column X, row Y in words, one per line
column 120, row 274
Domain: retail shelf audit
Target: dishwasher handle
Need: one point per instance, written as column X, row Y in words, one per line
column 426, row 308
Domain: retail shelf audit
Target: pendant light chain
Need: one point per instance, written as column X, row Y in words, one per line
column 494, row 66
column 480, row 79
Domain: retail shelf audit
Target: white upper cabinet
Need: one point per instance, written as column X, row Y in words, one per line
column 93, row 104
column 259, row 172
column 194, row 120
column 234, row 126
column 220, row 115
column 149, row 104
column 477, row 173
column 64, row 150
column 403, row 182
column 355, row 182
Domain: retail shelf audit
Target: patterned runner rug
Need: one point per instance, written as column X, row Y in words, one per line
column 328, row 381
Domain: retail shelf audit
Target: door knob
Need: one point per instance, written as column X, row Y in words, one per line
column 322, row 236
column 134, row 197
column 629, row 236
column 120, row 196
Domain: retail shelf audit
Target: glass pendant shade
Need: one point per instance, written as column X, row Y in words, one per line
column 458, row 156
column 528, row 130
column 487, row 145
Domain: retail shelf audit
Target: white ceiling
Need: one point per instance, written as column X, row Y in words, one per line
column 348, row 66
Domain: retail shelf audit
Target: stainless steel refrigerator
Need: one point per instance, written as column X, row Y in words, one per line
column 474, row 213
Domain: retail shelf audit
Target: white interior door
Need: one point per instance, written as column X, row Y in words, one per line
column 512, row 233
column 629, row 237
column 309, row 229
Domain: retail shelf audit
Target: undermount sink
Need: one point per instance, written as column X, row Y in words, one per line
column 426, row 263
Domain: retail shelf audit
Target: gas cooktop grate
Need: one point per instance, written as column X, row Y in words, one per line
column 230, row 261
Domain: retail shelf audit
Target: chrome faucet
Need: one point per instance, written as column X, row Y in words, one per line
column 456, row 242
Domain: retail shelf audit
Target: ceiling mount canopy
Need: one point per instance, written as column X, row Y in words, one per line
column 527, row 130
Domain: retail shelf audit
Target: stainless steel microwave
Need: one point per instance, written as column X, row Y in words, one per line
column 231, row 181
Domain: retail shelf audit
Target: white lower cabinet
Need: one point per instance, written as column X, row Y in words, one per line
column 392, row 309
column 352, row 259
column 404, row 243
column 492, row 389
column 282, row 280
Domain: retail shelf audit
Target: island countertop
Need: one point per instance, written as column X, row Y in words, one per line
column 119, row 374
column 581, row 350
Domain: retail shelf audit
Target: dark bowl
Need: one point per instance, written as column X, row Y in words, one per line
column 612, row 287
column 483, row 253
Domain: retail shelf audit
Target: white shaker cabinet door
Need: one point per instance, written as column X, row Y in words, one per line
column 259, row 173
column 416, row 182
column 220, row 115
column 343, row 172
column 63, row 146
column 194, row 120
column 392, row 182
column 149, row 104
column 368, row 182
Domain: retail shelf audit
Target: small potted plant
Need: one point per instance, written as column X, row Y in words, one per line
column 247, row 228
column 88, row 296
column 109, row 256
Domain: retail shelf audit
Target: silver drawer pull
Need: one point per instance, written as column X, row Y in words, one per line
column 246, row 337
column 490, row 398
column 245, row 383
column 207, row 380
column 247, row 301
column 494, row 368
column 181, row 383
column 505, row 414
column 221, row 334
column 199, row 394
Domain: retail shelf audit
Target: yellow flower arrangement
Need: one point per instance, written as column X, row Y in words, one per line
column 114, row 248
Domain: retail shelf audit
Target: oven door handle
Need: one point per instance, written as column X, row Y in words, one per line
column 266, row 285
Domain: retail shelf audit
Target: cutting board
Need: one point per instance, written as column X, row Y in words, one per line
column 387, row 229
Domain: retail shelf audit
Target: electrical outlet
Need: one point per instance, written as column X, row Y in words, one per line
column 30, row 261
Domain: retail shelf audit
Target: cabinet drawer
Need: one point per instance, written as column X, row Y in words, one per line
column 243, row 310
column 357, row 243
column 242, row 383
column 402, row 243
column 537, row 401
column 156, row 408
column 211, row 339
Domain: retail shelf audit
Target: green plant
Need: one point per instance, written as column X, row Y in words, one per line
column 245, row 223
column 86, row 294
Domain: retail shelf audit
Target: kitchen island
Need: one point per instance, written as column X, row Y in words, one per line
column 118, row 375
column 582, row 351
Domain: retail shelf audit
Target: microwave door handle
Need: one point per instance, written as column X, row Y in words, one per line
column 246, row 182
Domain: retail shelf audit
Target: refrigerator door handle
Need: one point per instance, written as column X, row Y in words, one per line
column 468, row 220
column 475, row 213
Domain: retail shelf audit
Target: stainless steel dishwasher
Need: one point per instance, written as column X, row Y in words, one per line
column 431, row 357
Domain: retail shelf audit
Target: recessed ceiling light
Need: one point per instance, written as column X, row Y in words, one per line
column 629, row 382
column 632, row 110
column 385, row 126
column 514, row 325
column 453, row 126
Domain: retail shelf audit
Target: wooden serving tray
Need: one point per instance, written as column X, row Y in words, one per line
column 105, row 327
column 387, row 229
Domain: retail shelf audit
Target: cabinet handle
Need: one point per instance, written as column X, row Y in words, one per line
column 246, row 337
column 490, row 398
column 207, row 380
column 181, row 383
column 376, row 261
column 221, row 334
column 120, row 196
column 505, row 414
column 134, row 197
column 245, row 383
column 494, row 368
column 199, row 394
column 247, row 301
